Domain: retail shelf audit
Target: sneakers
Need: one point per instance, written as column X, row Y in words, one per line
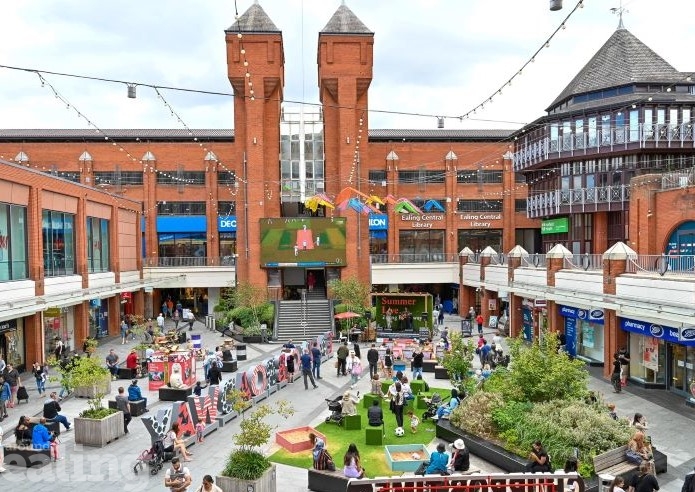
column 68, row 429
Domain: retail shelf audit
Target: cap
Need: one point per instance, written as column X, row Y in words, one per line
column 459, row 444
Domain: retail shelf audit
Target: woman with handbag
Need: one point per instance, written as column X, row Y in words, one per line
column 639, row 451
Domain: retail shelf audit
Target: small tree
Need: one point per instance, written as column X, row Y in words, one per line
column 351, row 292
column 458, row 360
column 86, row 372
column 248, row 462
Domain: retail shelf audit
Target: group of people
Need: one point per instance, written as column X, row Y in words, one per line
column 309, row 362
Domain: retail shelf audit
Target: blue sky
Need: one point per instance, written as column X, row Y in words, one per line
column 434, row 57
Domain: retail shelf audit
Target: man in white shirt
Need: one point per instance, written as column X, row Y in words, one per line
column 178, row 477
column 497, row 340
column 160, row 322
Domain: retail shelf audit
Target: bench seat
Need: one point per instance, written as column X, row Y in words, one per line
column 26, row 456
column 333, row 481
column 614, row 462
column 174, row 394
column 137, row 407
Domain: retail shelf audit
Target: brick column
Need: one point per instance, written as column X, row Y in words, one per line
column 81, row 312
column 33, row 339
column 514, row 260
column 555, row 259
column 485, row 259
column 466, row 292
column 614, row 264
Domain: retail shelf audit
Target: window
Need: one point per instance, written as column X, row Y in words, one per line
column 117, row 178
column 520, row 205
column 226, row 208
column 226, row 177
column 634, row 125
column 421, row 246
column 58, row 230
column 592, row 132
column 479, row 239
column 97, row 245
column 420, row 176
column 479, row 176
column 479, row 206
column 73, row 176
column 13, row 242
column 183, row 245
column 181, row 177
column 376, row 176
column 519, row 178
column 181, row 208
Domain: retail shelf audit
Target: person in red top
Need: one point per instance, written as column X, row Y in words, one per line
column 131, row 362
column 479, row 321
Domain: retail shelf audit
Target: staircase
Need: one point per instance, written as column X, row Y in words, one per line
column 300, row 321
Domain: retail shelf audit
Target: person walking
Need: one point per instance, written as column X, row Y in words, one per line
column 316, row 360
column 177, row 318
column 644, row 480
column 12, row 378
column 342, row 355
column 40, row 376
column 615, row 375
column 373, row 360
column 208, row 485
column 178, row 477
column 112, row 363
column 306, row 369
column 479, row 321
column 124, row 331
column 5, row 395
column 417, row 362
column 123, row 405
column 689, row 482
column 160, row 322
column 398, row 400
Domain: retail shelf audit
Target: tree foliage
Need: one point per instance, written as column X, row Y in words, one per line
column 351, row 292
column 458, row 360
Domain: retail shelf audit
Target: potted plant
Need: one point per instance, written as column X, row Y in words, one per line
column 96, row 426
column 247, row 468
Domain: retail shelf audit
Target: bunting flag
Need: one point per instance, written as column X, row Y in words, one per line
column 321, row 199
column 404, row 206
column 433, row 205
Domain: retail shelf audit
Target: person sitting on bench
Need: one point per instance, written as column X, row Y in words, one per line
column 135, row 394
column 51, row 409
column 375, row 415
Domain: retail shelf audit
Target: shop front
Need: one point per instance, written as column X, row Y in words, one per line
column 58, row 326
column 98, row 318
column 12, row 343
column 534, row 318
column 661, row 356
column 584, row 333
column 378, row 237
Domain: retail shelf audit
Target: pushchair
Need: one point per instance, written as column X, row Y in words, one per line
column 336, row 408
column 432, row 406
column 153, row 457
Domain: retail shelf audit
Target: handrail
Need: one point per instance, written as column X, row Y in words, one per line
column 535, row 260
column 683, row 265
column 189, row 261
column 415, row 258
column 584, row 262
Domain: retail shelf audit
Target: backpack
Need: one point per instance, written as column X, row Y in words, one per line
column 324, row 461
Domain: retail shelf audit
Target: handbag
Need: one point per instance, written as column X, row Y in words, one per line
column 336, row 364
column 633, row 457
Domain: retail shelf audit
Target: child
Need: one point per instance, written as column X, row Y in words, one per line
column 199, row 428
column 376, row 385
column 414, row 422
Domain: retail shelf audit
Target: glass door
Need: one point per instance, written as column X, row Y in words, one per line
column 678, row 369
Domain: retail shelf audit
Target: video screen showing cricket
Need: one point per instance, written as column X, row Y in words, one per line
column 303, row 241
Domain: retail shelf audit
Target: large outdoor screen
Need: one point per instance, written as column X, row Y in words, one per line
column 303, row 242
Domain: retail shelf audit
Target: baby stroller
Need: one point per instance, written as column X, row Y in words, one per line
column 153, row 457
column 336, row 408
column 432, row 406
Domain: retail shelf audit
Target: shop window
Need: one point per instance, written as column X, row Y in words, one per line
column 58, row 230
column 183, row 245
column 97, row 245
column 647, row 359
column 421, row 246
column 13, row 242
column 479, row 239
column 227, row 247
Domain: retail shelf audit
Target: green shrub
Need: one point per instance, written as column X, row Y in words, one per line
column 245, row 465
column 473, row 413
column 97, row 413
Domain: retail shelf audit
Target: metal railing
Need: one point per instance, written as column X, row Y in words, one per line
column 535, row 260
column 575, row 200
column 599, row 141
column 662, row 264
column 499, row 259
column 584, row 262
column 189, row 261
column 415, row 258
column 492, row 482
column 678, row 179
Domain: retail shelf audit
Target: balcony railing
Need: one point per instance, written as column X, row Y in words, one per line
column 584, row 262
column 577, row 200
column 535, row 260
column 662, row 264
column 190, row 261
column 615, row 139
column 678, row 179
column 416, row 258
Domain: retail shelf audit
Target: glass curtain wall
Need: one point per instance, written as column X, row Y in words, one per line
column 301, row 155
column 97, row 245
column 13, row 242
column 58, row 229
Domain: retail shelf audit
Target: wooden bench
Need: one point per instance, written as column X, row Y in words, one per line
column 614, row 462
column 174, row 394
column 137, row 407
column 51, row 425
column 125, row 373
column 429, row 365
column 333, row 481
column 440, row 372
column 26, row 456
column 229, row 366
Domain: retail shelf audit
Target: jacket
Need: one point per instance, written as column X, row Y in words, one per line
column 375, row 415
column 50, row 409
column 343, row 352
column 372, row 356
column 40, row 437
column 134, row 393
column 5, row 392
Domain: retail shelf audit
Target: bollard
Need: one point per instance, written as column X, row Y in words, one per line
column 240, row 351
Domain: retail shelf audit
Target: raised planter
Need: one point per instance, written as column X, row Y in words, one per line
column 396, row 463
column 99, row 433
column 101, row 388
column 288, row 438
column 267, row 483
column 493, row 453
column 248, row 338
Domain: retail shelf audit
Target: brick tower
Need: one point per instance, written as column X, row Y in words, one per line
column 345, row 62
column 255, row 67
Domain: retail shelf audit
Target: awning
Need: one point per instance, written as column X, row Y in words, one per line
column 378, row 234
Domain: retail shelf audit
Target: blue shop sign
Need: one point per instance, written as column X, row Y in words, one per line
column 226, row 224
column 590, row 315
column 683, row 336
column 571, row 336
column 378, row 222
column 182, row 223
column 527, row 323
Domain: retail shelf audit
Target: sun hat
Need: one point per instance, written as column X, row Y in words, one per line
column 459, row 444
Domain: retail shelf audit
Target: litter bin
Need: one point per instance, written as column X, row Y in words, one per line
column 240, row 351
column 605, row 481
column 197, row 342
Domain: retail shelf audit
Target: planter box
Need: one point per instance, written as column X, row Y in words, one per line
column 409, row 465
column 293, row 445
column 103, row 388
column 267, row 483
column 493, row 453
column 174, row 394
column 99, row 433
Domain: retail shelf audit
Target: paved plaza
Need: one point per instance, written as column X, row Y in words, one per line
column 111, row 468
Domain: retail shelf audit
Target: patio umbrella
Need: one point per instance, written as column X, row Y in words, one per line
column 347, row 315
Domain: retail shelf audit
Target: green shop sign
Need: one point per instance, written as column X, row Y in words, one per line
column 555, row 226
